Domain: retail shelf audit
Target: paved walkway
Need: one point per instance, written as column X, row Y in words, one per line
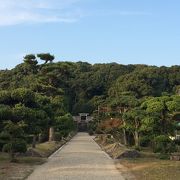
column 80, row 159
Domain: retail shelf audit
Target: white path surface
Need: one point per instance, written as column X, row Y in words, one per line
column 80, row 159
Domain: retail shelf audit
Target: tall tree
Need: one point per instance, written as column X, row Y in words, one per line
column 161, row 109
column 133, row 119
column 30, row 59
column 47, row 57
column 124, row 103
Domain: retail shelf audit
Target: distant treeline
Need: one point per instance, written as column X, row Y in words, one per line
column 82, row 85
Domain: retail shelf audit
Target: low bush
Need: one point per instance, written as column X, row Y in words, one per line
column 177, row 141
column 163, row 156
column 57, row 136
column 145, row 141
column 65, row 133
column 29, row 139
column 91, row 132
column 4, row 138
column 164, row 145
column 17, row 146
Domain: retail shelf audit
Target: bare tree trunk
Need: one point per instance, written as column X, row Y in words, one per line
column 124, row 134
column 12, row 156
column 34, row 141
column 122, row 110
column 39, row 137
column 124, row 137
column 136, row 138
column 51, row 134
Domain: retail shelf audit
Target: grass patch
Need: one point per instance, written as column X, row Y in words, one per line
column 4, row 157
column 25, row 165
column 47, row 148
column 147, row 167
column 152, row 168
column 17, row 170
column 31, row 160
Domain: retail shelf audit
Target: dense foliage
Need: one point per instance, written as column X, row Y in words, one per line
column 143, row 98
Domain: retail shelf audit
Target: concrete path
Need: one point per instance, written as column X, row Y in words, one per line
column 80, row 159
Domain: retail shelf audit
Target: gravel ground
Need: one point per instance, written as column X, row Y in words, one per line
column 80, row 159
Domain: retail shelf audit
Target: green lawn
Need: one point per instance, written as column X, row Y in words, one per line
column 47, row 148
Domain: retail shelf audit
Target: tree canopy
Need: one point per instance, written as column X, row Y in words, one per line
column 144, row 98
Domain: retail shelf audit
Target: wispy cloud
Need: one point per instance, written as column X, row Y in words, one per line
column 119, row 12
column 14, row 12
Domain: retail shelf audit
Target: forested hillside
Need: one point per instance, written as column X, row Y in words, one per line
column 81, row 84
column 77, row 83
column 34, row 97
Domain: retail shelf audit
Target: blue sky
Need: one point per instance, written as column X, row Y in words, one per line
column 97, row 31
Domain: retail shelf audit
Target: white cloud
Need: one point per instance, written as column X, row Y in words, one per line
column 14, row 12
column 106, row 12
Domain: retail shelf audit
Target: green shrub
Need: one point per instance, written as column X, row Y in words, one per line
column 177, row 141
column 163, row 156
column 4, row 138
column 2, row 143
column 145, row 141
column 163, row 144
column 65, row 133
column 29, row 139
column 57, row 136
column 17, row 146
column 90, row 132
